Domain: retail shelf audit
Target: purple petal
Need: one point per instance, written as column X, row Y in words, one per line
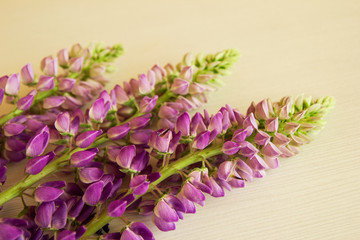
column 66, row 84
column 147, row 104
column 183, row 124
column 93, row 193
column 116, row 208
column 27, row 74
column 118, row 132
column 230, row 148
column 262, row 110
column 192, row 193
column 54, row 184
column 141, row 229
column 96, row 111
column 13, row 129
column 44, row 214
column 12, row 85
column 167, row 112
column 140, row 161
column 270, row 150
column 180, row 86
column 225, row 170
column 53, row 102
column 89, row 175
column 127, row 234
column 126, row 156
column 76, row 208
column 47, row 194
column 257, row 163
column 217, row 190
column 8, row 232
column 139, row 185
column 45, row 83
column 165, row 212
column 36, row 165
column 26, row 102
column 201, row 141
column 66, row 235
column 272, row 125
column 37, row 144
column 141, row 136
column 60, row 216
column 82, row 158
column 247, row 149
column 174, row 203
column 139, row 122
column 262, row 138
column 62, row 123
column 216, row 123
column 63, row 57
column 76, row 64
column 85, row 139
column 188, row 205
column 163, row 225
column 2, row 92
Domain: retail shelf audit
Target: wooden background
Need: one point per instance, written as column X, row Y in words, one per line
column 288, row 48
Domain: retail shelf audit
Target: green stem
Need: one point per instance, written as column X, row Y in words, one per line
column 166, row 172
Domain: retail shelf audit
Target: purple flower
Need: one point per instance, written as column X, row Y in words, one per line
column 202, row 140
column 262, row 110
column 12, row 85
column 137, row 231
column 118, row 132
column 13, row 129
column 62, row 123
column 147, row 104
column 239, row 135
column 230, row 148
column 27, row 74
column 166, row 212
column 53, row 102
column 99, row 110
column 183, row 124
column 125, row 156
column 121, row 96
column 160, row 140
column 45, row 83
column 257, row 163
column 270, row 150
column 36, row 165
column 59, row 217
column 247, row 149
column 66, row 235
column 10, row 232
column 49, row 66
column 90, row 174
column 25, row 103
column 262, row 138
column 139, row 184
column 85, row 139
column 83, row 158
column 47, row 194
column 66, row 84
column 63, row 57
column 116, row 208
column 44, row 214
column 76, row 64
column 193, row 194
column 272, row 125
column 37, row 144
column 180, row 86
column 93, row 193
column 140, row 122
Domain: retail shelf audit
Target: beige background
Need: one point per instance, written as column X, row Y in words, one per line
column 288, row 48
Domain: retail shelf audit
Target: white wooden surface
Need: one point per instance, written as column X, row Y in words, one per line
column 288, row 48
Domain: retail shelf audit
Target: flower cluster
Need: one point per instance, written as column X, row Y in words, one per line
column 136, row 148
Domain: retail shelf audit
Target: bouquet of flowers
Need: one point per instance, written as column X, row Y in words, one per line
column 134, row 148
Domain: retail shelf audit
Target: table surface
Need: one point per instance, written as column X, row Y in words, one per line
column 288, row 48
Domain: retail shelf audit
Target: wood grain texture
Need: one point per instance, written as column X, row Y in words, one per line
column 288, row 48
